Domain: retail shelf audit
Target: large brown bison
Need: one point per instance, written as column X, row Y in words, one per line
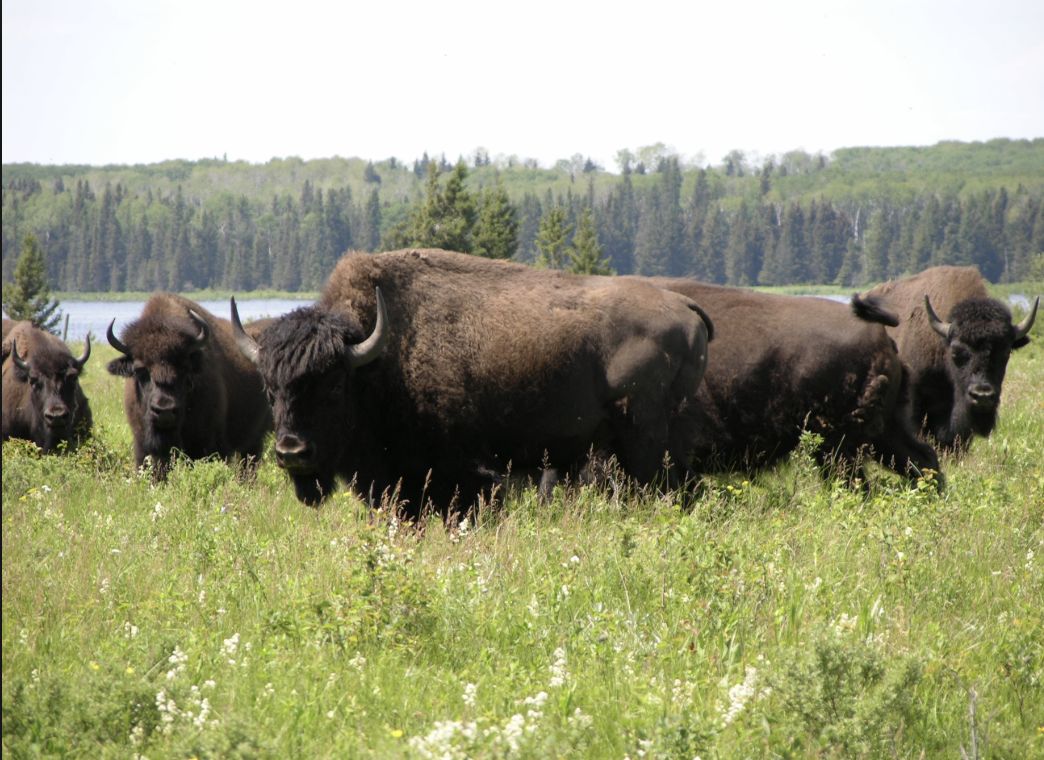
column 466, row 367
column 188, row 386
column 42, row 398
column 957, row 362
column 785, row 364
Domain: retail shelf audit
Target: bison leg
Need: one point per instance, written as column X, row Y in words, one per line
column 900, row 450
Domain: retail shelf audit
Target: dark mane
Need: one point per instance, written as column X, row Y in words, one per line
column 307, row 340
column 981, row 319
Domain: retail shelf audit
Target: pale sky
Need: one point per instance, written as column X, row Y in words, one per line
column 142, row 81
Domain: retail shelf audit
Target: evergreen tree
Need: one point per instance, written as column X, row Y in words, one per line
column 530, row 212
column 585, row 255
column 495, row 234
column 28, row 296
column 370, row 236
column 709, row 260
column 444, row 219
column 552, row 239
column 621, row 222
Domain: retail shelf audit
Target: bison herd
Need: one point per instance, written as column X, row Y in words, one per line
column 433, row 378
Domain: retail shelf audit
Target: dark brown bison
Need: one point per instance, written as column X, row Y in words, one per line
column 784, row 364
column 42, row 398
column 474, row 367
column 188, row 386
column 957, row 362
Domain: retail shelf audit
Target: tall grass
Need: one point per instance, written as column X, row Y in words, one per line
column 777, row 615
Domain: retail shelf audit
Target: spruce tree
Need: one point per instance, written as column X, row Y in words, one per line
column 585, row 255
column 495, row 235
column 29, row 295
column 553, row 239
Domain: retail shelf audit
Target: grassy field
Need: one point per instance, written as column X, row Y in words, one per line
column 781, row 616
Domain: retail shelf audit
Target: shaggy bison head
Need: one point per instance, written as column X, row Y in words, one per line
column 164, row 356
column 52, row 375
column 980, row 337
column 307, row 359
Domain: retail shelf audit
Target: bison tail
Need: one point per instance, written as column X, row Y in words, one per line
column 706, row 321
column 872, row 309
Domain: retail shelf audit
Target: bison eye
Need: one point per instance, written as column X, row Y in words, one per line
column 142, row 375
column 35, row 382
column 961, row 355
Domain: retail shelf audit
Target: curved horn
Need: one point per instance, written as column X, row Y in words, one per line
column 114, row 341
column 1022, row 328
column 204, row 329
column 86, row 352
column 18, row 360
column 943, row 328
column 246, row 344
column 370, row 348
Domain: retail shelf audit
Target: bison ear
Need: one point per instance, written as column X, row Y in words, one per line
column 121, row 367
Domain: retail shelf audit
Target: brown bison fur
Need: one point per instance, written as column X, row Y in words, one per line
column 488, row 366
column 188, row 387
column 956, row 368
column 42, row 398
column 784, row 364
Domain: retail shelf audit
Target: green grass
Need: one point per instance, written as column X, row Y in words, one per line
column 781, row 616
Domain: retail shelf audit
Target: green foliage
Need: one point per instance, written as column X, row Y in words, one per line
column 552, row 239
column 854, row 217
column 444, row 219
column 778, row 614
column 495, row 234
column 585, row 254
column 29, row 295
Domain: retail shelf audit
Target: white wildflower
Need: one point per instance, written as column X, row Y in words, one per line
column 204, row 710
column 559, row 674
column 814, row 585
column 470, row 694
column 178, row 660
column 739, row 695
column 580, row 719
column 130, row 630
column 269, row 689
column 157, row 511
column 229, row 647
column 844, row 624
column 358, row 662
column 534, row 606
column 104, row 588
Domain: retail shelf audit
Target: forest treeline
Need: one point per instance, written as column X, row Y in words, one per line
column 859, row 215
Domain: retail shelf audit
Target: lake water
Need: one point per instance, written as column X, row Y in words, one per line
column 94, row 316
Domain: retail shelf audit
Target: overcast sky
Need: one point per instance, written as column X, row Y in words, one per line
column 140, row 81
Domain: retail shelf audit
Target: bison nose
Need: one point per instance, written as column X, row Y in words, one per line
column 983, row 395
column 57, row 416
column 294, row 454
column 164, row 412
